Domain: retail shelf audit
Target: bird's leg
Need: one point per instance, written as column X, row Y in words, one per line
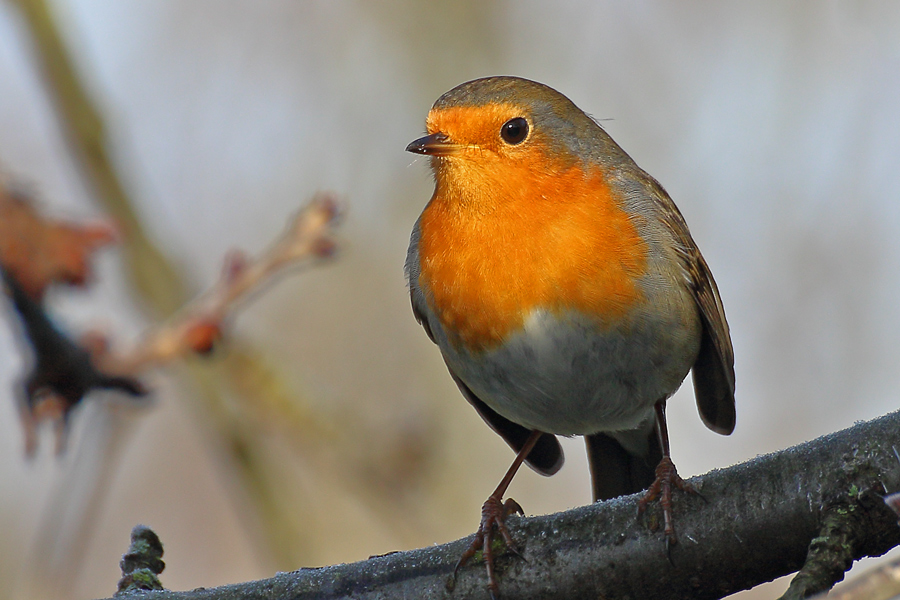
column 493, row 516
column 667, row 478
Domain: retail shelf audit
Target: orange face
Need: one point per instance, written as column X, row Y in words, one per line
column 514, row 227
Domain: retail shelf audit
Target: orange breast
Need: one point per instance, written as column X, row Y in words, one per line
column 497, row 243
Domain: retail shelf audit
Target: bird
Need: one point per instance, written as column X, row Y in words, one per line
column 565, row 293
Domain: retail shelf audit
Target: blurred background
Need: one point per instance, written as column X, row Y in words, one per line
column 329, row 429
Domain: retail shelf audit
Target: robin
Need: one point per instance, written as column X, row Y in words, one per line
column 565, row 293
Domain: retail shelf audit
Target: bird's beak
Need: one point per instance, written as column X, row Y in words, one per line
column 436, row 144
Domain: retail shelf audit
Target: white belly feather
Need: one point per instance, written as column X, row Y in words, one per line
column 564, row 375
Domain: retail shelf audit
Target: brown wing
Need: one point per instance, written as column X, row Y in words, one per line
column 713, row 372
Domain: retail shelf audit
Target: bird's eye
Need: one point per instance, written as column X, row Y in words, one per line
column 514, row 130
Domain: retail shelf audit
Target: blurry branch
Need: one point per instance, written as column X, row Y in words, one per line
column 62, row 374
column 163, row 290
column 38, row 251
column 199, row 325
column 154, row 277
column 35, row 253
column 760, row 519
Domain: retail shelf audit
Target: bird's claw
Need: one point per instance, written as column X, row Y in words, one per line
column 667, row 479
column 493, row 518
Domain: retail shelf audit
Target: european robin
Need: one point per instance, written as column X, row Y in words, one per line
column 565, row 292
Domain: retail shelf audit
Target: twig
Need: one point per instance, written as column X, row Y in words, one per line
column 142, row 563
column 199, row 325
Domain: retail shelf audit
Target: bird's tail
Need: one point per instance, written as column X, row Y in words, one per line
column 623, row 462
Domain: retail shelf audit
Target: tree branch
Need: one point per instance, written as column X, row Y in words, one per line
column 757, row 524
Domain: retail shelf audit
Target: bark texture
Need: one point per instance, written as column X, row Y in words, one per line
column 759, row 520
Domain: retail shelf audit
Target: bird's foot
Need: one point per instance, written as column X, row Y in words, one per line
column 667, row 479
column 493, row 518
